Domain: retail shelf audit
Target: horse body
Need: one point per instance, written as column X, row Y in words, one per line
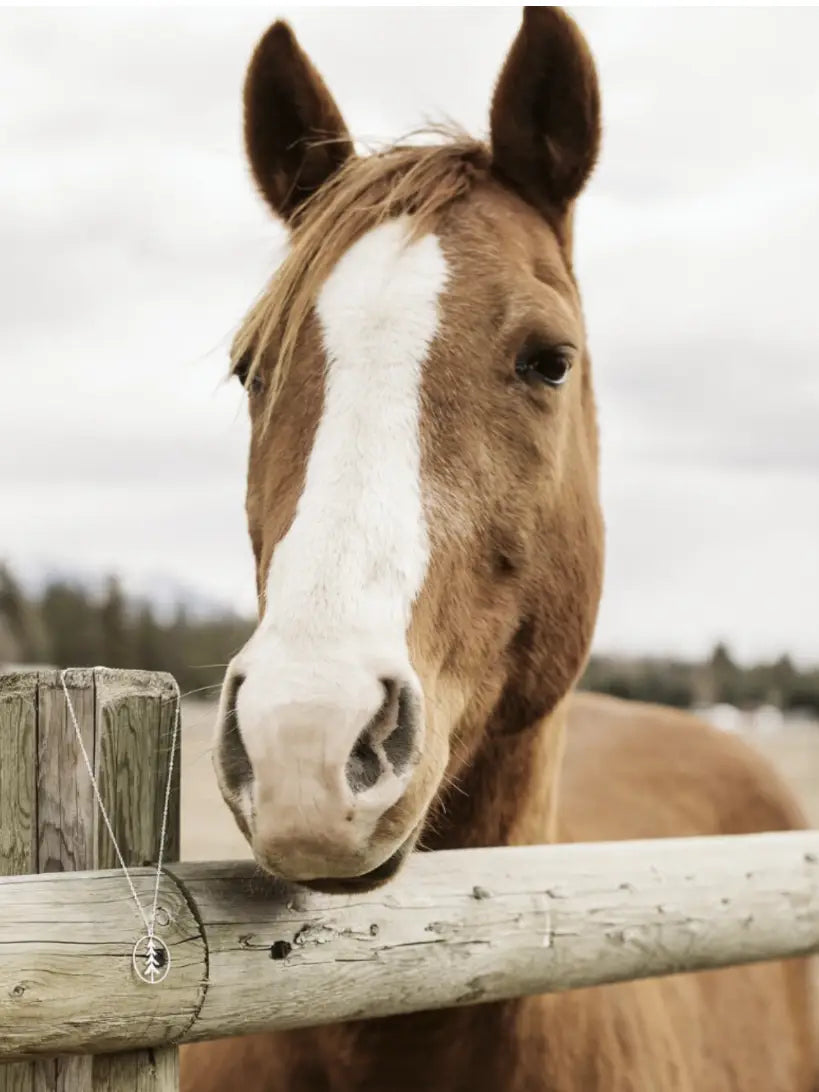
column 629, row 771
column 423, row 507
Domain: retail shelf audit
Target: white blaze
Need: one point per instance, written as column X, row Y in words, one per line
column 355, row 555
column 343, row 579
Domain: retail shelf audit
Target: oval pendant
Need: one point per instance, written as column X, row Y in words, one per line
column 151, row 960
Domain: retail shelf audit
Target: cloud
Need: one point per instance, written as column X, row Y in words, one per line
column 132, row 241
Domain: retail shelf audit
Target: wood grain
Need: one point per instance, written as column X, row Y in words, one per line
column 158, row 1070
column 18, row 773
column 18, row 808
column 65, row 819
column 453, row 928
column 126, row 722
column 134, row 728
column 65, row 805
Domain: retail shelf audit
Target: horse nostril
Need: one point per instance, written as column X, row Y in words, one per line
column 233, row 759
column 387, row 741
column 363, row 766
column 399, row 746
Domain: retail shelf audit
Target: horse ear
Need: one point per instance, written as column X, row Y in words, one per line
column 295, row 135
column 545, row 119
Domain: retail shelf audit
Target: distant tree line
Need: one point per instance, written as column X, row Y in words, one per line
column 68, row 625
column 717, row 679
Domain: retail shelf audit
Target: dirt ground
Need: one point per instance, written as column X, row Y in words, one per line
column 795, row 753
column 209, row 832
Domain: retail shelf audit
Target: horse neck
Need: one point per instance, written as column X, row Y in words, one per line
column 508, row 793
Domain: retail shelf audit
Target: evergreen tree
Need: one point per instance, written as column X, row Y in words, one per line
column 72, row 622
column 23, row 638
column 114, row 627
column 148, row 641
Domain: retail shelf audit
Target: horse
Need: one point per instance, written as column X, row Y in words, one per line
column 422, row 502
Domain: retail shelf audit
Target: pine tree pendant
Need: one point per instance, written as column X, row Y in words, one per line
column 151, row 960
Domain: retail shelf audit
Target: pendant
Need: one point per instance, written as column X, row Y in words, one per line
column 151, row 960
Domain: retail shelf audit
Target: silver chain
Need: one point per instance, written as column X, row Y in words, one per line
column 156, row 971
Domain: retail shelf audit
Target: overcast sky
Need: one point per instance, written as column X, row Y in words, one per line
column 131, row 241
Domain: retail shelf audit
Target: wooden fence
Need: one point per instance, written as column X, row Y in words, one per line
column 250, row 954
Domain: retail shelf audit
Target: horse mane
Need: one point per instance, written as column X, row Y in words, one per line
column 423, row 180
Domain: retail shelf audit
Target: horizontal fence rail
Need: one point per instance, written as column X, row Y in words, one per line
column 455, row 928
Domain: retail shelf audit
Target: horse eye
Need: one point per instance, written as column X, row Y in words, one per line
column 540, row 363
column 242, row 372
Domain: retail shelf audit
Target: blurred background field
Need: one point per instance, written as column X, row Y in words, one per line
column 794, row 750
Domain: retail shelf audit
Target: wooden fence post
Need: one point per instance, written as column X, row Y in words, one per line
column 50, row 821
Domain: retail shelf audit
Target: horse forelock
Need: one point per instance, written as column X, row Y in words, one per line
column 419, row 179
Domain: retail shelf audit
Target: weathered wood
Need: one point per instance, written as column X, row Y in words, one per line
column 18, row 808
column 80, row 960
column 65, row 820
column 17, row 1077
column 118, row 1072
column 18, row 773
column 65, row 804
column 135, row 717
column 126, row 722
column 453, row 928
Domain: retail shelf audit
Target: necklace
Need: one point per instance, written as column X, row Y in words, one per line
column 150, row 957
